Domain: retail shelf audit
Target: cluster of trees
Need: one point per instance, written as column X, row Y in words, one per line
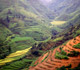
column 73, row 53
column 61, row 55
column 77, row 46
column 69, row 67
column 4, row 50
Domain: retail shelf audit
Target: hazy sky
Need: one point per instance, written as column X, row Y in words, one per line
column 46, row 1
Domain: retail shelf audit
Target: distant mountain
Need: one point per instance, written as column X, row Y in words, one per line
column 41, row 9
column 64, row 8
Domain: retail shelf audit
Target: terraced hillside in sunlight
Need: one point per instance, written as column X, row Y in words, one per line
column 65, row 55
column 14, row 56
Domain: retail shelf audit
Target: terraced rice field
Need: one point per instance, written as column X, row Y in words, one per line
column 12, row 56
column 52, row 63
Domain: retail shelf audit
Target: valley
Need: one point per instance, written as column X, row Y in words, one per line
column 39, row 35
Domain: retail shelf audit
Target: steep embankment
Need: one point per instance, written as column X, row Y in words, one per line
column 61, row 56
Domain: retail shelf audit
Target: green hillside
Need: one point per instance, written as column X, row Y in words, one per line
column 24, row 24
column 21, row 26
column 30, row 28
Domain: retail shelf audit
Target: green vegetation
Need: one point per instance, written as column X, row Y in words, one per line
column 5, row 50
column 69, row 68
column 78, row 31
column 24, row 23
column 45, row 57
column 20, row 39
column 63, row 52
column 19, row 64
column 58, row 55
column 20, row 28
column 65, row 42
column 76, row 68
column 62, row 68
column 57, row 28
column 33, row 62
column 14, row 56
column 73, row 53
column 77, row 46
column 58, row 39
column 61, row 55
column 40, row 51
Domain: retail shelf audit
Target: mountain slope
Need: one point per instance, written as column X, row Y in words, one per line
column 65, row 8
column 26, row 31
column 60, row 56
column 23, row 20
column 21, row 26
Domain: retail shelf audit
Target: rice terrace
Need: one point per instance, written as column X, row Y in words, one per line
column 39, row 34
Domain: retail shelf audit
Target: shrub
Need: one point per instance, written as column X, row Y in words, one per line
column 77, row 46
column 63, row 52
column 76, row 68
column 70, row 44
column 62, row 68
column 69, row 66
column 5, row 50
column 73, row 53
column 60, row 56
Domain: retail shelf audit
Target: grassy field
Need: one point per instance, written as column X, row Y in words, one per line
column 58, row 22
column 58, row 39
column 78, row 31
column 21, row 39
column 56, row 25
column 18, row 65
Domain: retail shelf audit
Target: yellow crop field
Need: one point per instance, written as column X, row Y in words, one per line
column 18, row 53
column 11, row 58
column 58, row 22
column 6, row 60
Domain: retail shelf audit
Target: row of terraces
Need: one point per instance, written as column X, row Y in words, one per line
column 63, row 55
